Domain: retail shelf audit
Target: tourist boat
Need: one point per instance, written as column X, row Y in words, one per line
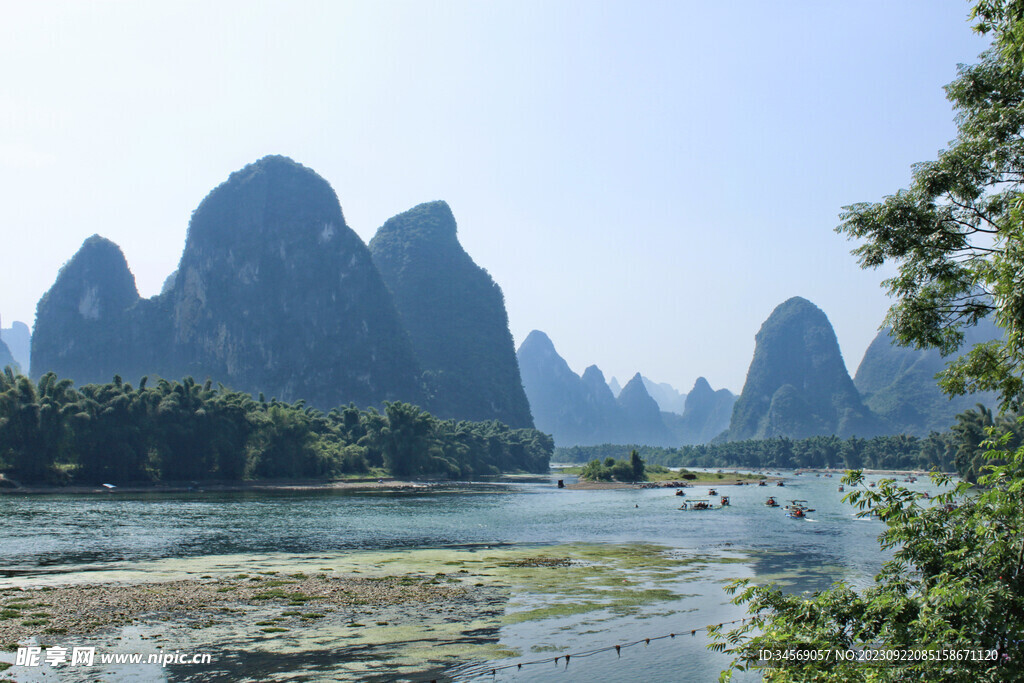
column 797, row 510
column 780, row 483
column 712, row 492
column 762, row 483
column 841, row 488
column 725, row 501
column 700, row 504
column 771, row 502
column 680, row 492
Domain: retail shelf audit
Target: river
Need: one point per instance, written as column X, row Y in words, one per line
column 614, row 567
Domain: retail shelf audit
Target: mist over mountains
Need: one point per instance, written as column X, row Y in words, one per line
column 6, row 358
column 898, row 383
column 584, row 410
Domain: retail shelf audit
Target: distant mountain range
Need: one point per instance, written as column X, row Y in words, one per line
column 16, row 339
column 584, row 411
column 275, row 294
column 6, row 358
column 669, row 400
column 797, row 386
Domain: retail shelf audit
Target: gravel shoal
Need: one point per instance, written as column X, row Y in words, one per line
column 88, row 609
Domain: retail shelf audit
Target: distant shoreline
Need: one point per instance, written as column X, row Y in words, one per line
column 229, row 486
column 607, row 485
column 281, row 485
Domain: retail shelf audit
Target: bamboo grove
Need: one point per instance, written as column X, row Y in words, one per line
column 53, row 433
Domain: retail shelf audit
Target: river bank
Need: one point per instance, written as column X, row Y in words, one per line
column 229, row 486
column 725, row 480
column 281, row 601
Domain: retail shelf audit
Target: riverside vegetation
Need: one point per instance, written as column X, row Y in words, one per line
column 635, row 470
column 962, row 449
column 52, row 433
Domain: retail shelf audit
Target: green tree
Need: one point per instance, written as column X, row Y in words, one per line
column 637, row 465
column 112, row 430
column 408, row 438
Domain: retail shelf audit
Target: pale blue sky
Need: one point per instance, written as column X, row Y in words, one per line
column 645, row 180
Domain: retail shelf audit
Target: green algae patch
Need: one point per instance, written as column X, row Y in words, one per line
column 559, row 610
column 566, row 581
column 460, row 601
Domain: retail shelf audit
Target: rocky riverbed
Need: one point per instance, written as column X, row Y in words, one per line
column 49, row 612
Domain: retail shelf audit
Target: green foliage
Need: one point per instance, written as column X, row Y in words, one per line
column 631, row 470
column 184, row 431
column 954, row 583
column 637, row 465
column 898, row 452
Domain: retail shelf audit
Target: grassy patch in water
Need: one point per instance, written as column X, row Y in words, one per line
column 553, row 611
column 547, row 648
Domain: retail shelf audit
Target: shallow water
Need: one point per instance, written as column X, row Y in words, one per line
column 641, row 567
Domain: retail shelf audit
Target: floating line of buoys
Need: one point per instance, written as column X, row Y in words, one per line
column 486, row 670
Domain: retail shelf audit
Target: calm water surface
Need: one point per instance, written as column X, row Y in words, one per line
column 47, row 536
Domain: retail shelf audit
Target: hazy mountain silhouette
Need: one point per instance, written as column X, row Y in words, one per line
column 18, row 340
column 705, row 416
column 797, row 384
column 898, row 383
column 455, row 315
column 274, row 293
column 669, row 400
column 582, row 410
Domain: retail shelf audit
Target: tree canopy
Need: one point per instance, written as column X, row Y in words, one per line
column 52, row 433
